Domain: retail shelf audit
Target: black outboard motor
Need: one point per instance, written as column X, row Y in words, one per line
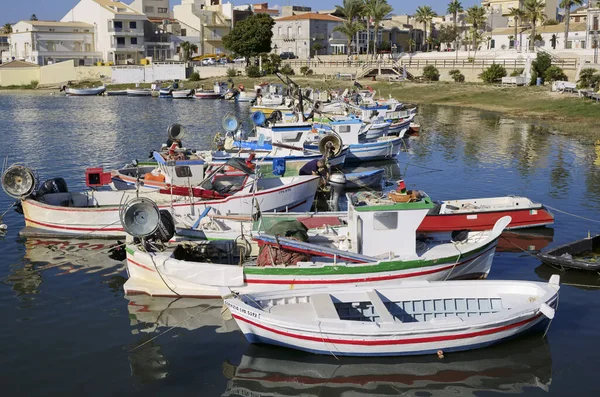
column 337, row 181
column 166, row 227
column 54, row 185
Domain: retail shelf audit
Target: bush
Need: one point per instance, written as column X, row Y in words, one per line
column 493, row 73
column 33, row 84
column 457, row 76
column 287, row 69
column 588, row 78
column 554, row 73
column 539, row 66
column 431, row 73
column 253, row 71
column 306, row 71
column 517, row 72
column 195, row 76
column 231, row 72
column 270, row 63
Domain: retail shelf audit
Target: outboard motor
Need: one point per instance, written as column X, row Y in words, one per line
column 54, row 185
column 337, row 181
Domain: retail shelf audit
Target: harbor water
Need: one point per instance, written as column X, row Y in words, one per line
column 67, row 328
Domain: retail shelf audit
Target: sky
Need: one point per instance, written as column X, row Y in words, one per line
column 56, row 9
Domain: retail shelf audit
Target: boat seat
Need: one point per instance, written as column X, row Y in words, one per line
column 324, row 307
column 382, row 311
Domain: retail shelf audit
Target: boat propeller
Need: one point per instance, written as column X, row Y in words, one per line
column 19, row 181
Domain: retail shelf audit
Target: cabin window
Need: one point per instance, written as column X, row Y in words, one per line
column 344, row 129
column 385, row 220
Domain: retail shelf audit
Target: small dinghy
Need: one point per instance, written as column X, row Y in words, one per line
column 139, row 92
column 85, row 91
column 183, row 94
column 581, row 254
column 409, row 318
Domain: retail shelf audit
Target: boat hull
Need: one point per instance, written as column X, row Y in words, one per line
column 521, row 218
column 85, row 91
column 145, row 273
column 382, row 149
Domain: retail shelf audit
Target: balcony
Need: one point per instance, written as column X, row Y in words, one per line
column 128, row 47
column 126, row 31
column 212, row 37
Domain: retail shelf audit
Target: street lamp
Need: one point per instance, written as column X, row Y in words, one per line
column 595, row 45
column 158, row 32
column 275, row 48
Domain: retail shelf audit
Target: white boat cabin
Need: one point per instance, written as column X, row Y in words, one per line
column 181, row 172
column 382, row 228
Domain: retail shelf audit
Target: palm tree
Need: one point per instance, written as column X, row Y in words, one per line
column 378, row 10
column 534, row 12
column 454, row 7
column 351, row 10
column 424, row 15
column 411, row 43
column 33, row 17
column 367, row 20
column 7, row 28
column 518, row 16
column 567, row 4
column 349, row 29
column 476, row 16
column 188, row 50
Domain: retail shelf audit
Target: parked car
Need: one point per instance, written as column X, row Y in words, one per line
column 240, row 60
column 224, row 61
column 287, row 55
column 209, row 61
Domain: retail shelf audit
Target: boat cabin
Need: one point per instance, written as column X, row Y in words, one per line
column 184, row 172
column 383, row 227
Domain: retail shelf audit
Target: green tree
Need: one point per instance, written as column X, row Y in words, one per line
column 476, row 16
column 270, row 62
column 188, row 49
column 7, row 28
column 378, row 10
column 411, row 45
column 425, row 15
column 351, row 10
column 457, row 76
column 431, row 73
column 567, row 4
column 554, row 73
column 534, row 12
column 454, row 7
column 540, row 64
column 518, row 16
column 251, row 36
column 316, row 47
column 33, row 17
column 588, row 78
column 550, row 22
column 447, row 34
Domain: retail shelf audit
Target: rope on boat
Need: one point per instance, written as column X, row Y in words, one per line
column 571, row 214
column 170, row 329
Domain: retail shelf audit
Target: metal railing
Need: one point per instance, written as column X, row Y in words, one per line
column 420, row 63
column 125, row 30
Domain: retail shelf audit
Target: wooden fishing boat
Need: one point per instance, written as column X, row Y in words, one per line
column 377, row 246
column 139, row 92
column 406, row 319
column 481, row 213
column 207, row 94
column 85, row 91
column 582, row 254
column 116, row 93
column 182, row 94
column 58, row 212
column 513, row 367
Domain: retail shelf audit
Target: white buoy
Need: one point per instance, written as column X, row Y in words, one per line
column 3, row 226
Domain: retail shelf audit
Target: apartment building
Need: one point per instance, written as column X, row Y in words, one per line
column 298, row 34
column 499, row 9
column 48, row 42
column 204, row 22
column 119, row 29
column 153, row 8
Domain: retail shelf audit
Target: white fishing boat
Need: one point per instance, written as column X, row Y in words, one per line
column 84, row 91
column 377, row 245
column 406, row 319
column 218, row 91
column 116, row 93
column 54, row 211
column 183, row 94
column 139, row 92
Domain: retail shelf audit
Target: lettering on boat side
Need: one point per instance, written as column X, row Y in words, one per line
column 285, row 191
column 532, row 212
column 471, row 216
column 242, row 310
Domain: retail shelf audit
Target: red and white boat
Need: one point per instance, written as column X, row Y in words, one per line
column 483, row 213
column 55, row 211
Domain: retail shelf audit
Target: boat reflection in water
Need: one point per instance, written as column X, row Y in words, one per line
column 530, row 239
column 582, row 279
column 148, row 314
column 508, row 368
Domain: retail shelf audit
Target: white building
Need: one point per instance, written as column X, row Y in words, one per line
column 48, row 42
column 153, row 8
column 552, row 37
column 298, row 34
column 119, row 29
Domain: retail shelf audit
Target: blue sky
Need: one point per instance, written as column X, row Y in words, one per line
column 56, row 9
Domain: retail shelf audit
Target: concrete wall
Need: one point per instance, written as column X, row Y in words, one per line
column 18, row 76
column 147, row 74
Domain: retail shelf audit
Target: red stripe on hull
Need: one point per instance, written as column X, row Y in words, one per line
column 79, row 229
column 140, row 265
column 485, row 220
column 385, row 342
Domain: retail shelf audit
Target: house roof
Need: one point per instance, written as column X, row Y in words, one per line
column 19, row 64
column 58, row 24
column 108, row 4
column 560, row 28
column 579, row 10
column 508, row 31
column 310, row 15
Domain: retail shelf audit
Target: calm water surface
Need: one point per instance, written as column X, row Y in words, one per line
column 67, row 328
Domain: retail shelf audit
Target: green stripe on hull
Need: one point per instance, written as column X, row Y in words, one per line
column 389, row 266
